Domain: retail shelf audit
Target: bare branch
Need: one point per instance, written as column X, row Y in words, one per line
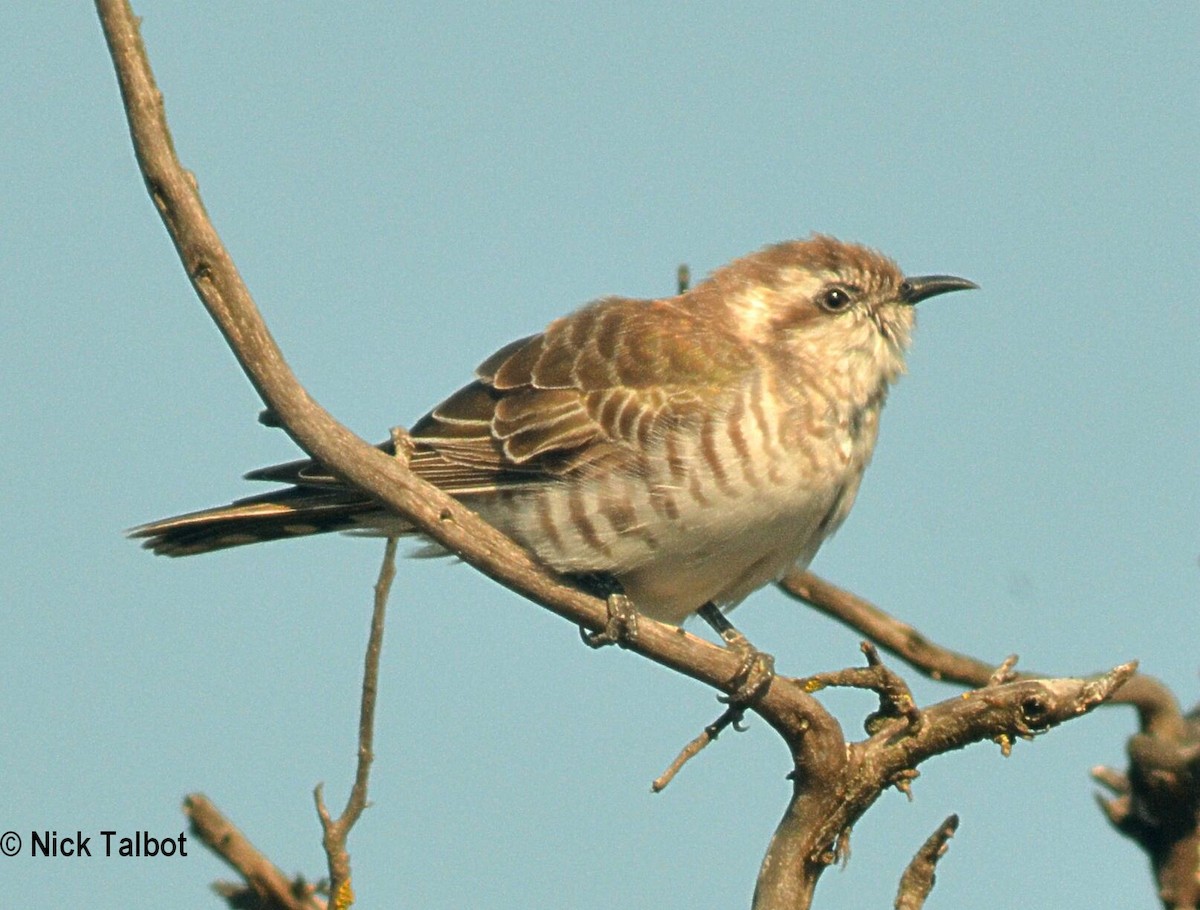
column 270, row 888
column 335, row 832
column 918, row 879
column 1152, row 699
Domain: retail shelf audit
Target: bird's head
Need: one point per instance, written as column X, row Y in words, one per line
column 838, row 306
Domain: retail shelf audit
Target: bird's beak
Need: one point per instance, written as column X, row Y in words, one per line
column 914, row 290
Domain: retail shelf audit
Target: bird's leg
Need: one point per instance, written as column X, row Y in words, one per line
column 621, row 628
column 757, row 668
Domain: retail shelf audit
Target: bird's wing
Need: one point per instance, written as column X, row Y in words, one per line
column 594, row 388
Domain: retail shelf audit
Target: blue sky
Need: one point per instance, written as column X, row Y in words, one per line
column 404, row 191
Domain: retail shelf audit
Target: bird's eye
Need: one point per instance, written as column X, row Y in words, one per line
column 835, row 299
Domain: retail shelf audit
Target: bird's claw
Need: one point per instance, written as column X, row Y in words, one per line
column 620, row 629
column 754, row 674
column 757, row 668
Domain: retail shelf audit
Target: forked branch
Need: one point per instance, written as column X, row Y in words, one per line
column 1149, row 696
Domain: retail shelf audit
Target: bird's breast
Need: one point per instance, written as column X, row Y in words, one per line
column 709, row 513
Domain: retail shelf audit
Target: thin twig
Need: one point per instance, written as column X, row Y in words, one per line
column 1005, row 672
column 918, row 879
column 730, row 717
column 341, row 894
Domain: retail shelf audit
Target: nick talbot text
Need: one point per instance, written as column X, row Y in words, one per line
column 136, row 844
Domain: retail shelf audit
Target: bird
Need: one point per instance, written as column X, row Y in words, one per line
column 690, row 448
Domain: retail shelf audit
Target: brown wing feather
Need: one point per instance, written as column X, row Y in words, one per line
column 594, row 387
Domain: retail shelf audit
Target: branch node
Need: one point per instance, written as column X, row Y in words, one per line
column 841, row 848
column 1005, row 742
column 903, row 780
column 1004, row 673
column 403, row 446
column 322, row 809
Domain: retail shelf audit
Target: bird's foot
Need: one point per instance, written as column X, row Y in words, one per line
column 757, row 668
column 622, row 625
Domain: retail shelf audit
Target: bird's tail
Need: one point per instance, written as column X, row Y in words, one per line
column 294, row 512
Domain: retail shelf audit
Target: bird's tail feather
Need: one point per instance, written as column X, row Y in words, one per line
column 295, row 512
